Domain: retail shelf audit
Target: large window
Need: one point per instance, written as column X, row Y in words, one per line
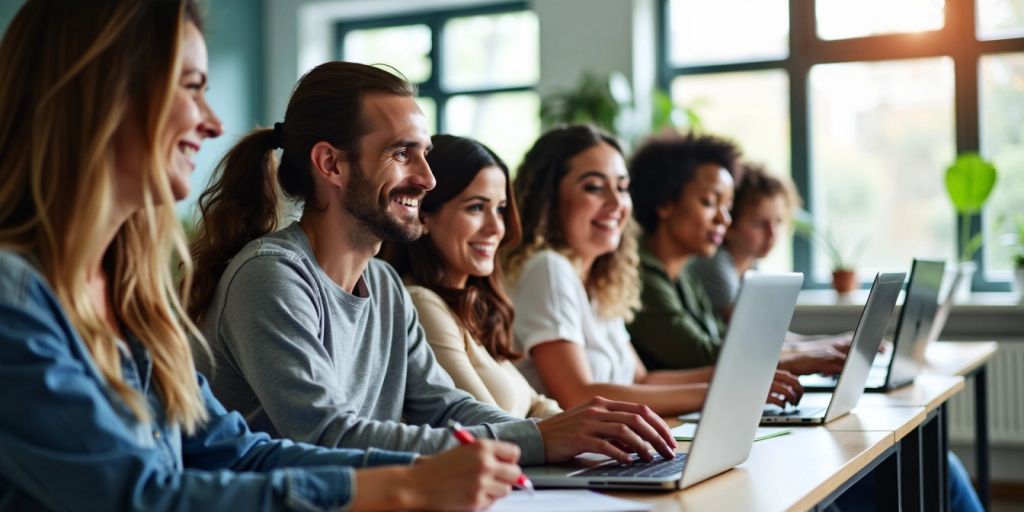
column 864, row 112
column 475, row 69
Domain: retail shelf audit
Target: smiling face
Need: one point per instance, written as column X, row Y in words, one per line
column 697, row 220
column 468, row 229
column 594, row 203
column 386, row 185
column 755, row 231
column 190, row 121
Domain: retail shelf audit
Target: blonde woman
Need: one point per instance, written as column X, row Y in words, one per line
column 576, row 281
column 455, row 282
column 102, row 107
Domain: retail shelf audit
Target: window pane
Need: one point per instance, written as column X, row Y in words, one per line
column 497, row 50
column 702, row 32
column 726, row 107
column 429, row 108
column 406, row 49
column 843, row 19
column 1002, row 142
column 999, row 19
column 882, row 136
column 508, row 123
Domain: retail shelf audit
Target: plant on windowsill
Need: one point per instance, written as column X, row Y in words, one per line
column 606, row 101
column 969, row 183
column 843, row 262
column 598, row 99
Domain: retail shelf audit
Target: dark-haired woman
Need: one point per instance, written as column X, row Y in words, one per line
column 455, row 282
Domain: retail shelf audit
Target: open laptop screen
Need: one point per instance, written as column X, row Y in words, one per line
column 915, row 320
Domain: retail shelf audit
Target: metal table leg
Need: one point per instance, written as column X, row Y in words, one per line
column 981, row 452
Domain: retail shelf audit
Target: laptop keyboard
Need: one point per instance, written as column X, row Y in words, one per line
column 659, row 467
column 794, row 411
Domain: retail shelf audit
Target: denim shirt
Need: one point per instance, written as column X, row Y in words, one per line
column 68, row 442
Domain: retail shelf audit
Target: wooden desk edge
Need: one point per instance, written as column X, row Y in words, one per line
column 849, row 470
column 981, row 352
column 898, row 432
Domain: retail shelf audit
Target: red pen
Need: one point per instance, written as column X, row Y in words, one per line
column 464, row 437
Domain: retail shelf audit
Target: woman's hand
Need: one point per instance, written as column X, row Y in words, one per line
column 611, row 428
column 468, row 477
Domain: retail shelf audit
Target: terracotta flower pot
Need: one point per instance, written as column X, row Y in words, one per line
column 844, row 281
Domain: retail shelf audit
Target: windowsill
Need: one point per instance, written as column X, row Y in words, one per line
column 857, row 298
column 986, row 316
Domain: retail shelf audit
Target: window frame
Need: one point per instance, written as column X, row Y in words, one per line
column 434, row 20
column 956, row 40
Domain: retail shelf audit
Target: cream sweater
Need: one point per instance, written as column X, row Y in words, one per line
column 472, row 368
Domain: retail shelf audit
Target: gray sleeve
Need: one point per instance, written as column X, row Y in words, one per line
column 719, row 279
column 431, row 397
column 272, row 326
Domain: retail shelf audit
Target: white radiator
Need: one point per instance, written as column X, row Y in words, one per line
column 1005, row 400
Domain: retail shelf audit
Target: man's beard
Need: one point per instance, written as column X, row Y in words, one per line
column 360, row 202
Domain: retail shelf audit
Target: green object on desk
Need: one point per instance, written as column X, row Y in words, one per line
column 685, row 432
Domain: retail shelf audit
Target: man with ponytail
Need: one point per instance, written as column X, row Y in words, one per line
column 313, row 338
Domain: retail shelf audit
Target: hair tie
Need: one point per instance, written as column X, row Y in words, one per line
column 278, row 136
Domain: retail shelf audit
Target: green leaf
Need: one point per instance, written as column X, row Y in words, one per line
column 969, row 182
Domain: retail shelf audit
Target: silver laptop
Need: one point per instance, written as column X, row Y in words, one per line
column 899, row 366
column 941, row 315
column 732, row 409
column 825, row 407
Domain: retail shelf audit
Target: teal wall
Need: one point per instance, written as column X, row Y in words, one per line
column 234, row 39
column 233, row 36
column 7, row 10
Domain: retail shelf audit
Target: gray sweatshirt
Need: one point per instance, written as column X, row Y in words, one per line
column 303, row 359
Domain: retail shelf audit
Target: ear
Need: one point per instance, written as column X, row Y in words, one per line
column 664, row 211
column 329, row 163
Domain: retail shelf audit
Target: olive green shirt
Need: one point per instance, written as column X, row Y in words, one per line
column 676, row 327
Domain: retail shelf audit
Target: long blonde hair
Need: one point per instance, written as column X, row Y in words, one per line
column 614, row 278
column 71, row 73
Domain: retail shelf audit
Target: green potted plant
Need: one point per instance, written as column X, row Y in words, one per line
column 599, row 99
column 606, row 101
column 843, row 263
column 969, row 183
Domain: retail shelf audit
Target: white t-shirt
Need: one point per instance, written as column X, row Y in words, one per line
column 552, row 304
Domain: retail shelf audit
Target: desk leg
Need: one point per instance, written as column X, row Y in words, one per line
column 981, row 453
column 944, row 458
column 911, row 479
column 888, row 484
column 933, row 463
column 876, row 486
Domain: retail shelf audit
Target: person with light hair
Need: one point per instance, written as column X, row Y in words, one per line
column 575, row 281
column 102, row 109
